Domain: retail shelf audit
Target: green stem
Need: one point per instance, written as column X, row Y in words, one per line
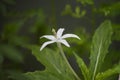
column 62, row 53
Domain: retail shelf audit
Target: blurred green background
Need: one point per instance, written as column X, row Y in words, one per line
column 22, row 22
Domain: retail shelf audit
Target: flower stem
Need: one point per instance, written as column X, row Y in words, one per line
column 63, row 55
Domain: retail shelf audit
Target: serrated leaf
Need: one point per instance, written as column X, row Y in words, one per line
column 100, row 44
column 39, row 75
column 108, row 73
column 56, row 68
column 83, row 67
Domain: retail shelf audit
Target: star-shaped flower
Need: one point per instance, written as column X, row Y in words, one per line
column 57, row 37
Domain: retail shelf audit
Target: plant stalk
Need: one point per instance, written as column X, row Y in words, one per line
column 64, row 57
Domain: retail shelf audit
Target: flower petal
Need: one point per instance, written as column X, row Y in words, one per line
column 50, row 37
column 45, row 44
column 60, row 32
column 70, row 35
column 64, row 42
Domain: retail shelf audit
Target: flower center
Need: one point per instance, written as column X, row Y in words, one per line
column 59, row 39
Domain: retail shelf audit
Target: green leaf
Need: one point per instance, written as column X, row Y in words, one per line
column 39, row 75
column 56, row 68
column 83, row 67
column 108, row 73
column 99, row 48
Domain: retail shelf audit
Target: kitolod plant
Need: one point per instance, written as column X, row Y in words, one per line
column 57, row 67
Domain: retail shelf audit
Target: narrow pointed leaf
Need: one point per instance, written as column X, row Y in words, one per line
column 83, row 67
column 99, row 48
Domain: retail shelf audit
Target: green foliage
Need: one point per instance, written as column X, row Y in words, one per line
column 10, row 40
column 83, row 67
column 110, row 10
column 76, row 14
column 98, row 53
column 99, row 48
column 55, row 66
column 108, row 73
column 13, row 40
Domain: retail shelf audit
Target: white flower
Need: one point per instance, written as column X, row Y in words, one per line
column 58, row 38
